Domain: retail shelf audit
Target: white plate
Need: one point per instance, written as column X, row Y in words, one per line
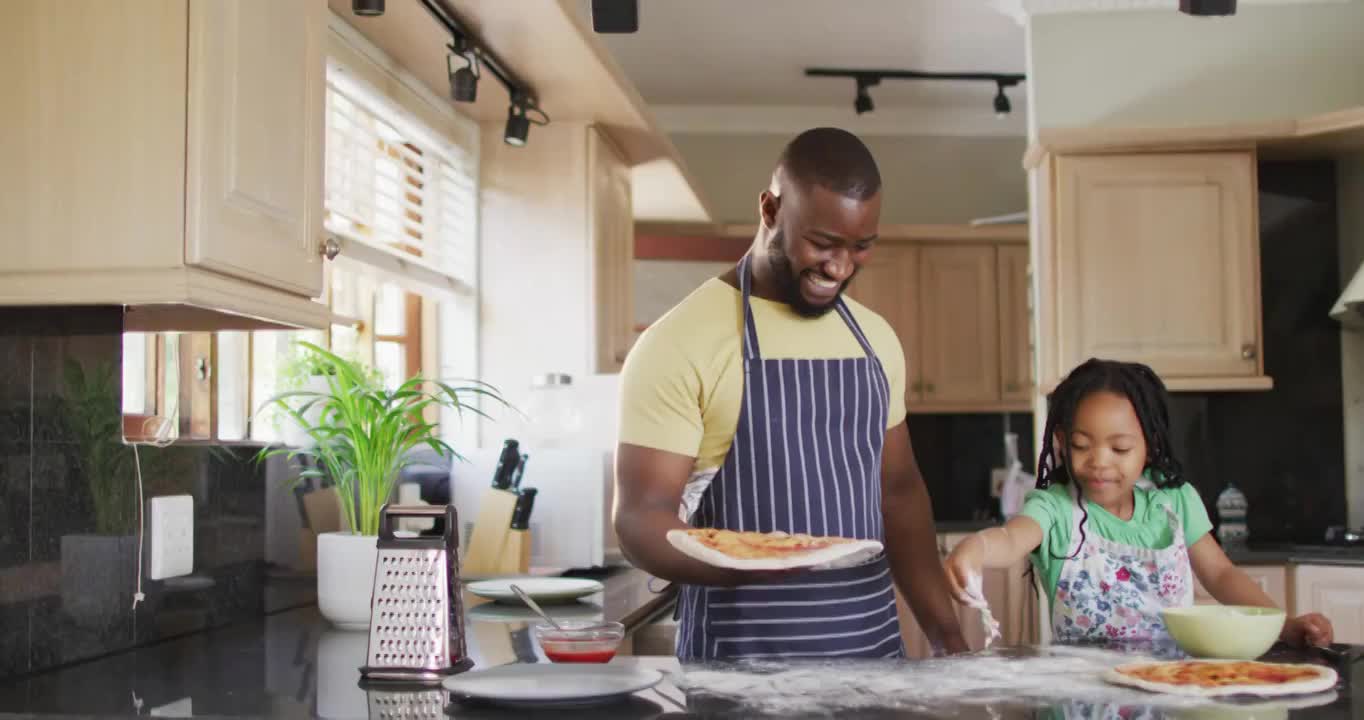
column 539, row 684
column 540, row 589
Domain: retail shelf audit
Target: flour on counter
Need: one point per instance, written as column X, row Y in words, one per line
column 1062, row 676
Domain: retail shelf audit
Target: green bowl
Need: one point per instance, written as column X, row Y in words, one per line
column 1231, row 632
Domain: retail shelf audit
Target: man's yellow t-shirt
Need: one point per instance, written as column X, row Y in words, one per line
column 682, row 384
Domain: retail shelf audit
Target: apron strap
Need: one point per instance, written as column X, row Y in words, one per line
column 751, row 350
column 851, row 321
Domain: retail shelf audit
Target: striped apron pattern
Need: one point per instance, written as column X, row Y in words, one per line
column 806, row 458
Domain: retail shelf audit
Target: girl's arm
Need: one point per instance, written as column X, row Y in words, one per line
column 995, row 547
column 1231, row 586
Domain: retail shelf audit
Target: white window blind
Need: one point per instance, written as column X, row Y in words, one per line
column 398, row 188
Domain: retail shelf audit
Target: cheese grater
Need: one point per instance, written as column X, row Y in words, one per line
column 416, row 627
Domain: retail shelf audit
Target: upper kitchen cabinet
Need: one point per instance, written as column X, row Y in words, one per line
column 168, row 159
column 1152, row 257
column 1147, row 247
column 957, row 299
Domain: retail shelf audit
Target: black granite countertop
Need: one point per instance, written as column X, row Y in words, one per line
column 293, row 664
column 1274, row 554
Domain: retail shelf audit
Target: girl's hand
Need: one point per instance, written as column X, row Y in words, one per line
column 965, row 562
column 1309, row 629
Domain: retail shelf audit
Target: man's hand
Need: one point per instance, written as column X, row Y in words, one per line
column 649, row 485
column 912, row 544
column 1309, row 629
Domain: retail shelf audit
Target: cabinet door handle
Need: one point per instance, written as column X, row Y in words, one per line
column 928, row 388
column 1011, row 387
column 916, row 386
column 331, row 247
column 1248, row 351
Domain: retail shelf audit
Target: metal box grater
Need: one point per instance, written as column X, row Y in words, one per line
column 416, row 627
column 407, row 703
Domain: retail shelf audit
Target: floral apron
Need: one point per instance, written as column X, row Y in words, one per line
column 1115, row 592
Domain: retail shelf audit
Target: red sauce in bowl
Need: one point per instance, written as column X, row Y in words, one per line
column 579, row 656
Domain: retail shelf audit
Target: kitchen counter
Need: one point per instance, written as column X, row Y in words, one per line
column 292, row 664
column 1256, row 554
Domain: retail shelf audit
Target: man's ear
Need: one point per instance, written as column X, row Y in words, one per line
column 768, row 205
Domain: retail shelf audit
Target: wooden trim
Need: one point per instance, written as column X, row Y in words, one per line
column 690, row 247
column 1258, row 383
column 1314, row 135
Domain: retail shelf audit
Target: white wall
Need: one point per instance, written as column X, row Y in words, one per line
column 1164, row 67
column 1350, row 201
column 536, row 265
column 937, row 179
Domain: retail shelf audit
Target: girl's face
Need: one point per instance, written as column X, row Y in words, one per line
column 1107, row 448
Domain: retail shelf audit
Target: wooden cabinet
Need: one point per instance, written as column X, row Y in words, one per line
column 168, row 159
column 960, row 310
column 1273, row 579
column 886, row 284
column 254, row 179
column 1334, row 591
column 613, row 235
column 1015, row 324
column 959, row 324
column 1154, row 258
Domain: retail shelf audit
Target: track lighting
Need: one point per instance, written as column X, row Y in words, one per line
column 615, row 16
column 1207, row 7
column 524, row 110
column 367, row 8
column 519, row 120
column 862, row 103
column 463, row 81
column 1002, row 106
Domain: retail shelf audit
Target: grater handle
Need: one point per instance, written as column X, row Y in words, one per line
column 387, row 513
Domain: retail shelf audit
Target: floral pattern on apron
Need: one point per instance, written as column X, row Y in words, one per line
column 1111, row 592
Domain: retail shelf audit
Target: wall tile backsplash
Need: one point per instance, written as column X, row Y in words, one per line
column 69, row 507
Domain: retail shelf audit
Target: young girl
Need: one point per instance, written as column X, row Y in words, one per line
column 1114, row 532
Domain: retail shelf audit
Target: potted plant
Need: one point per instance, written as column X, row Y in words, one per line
column 360, row 436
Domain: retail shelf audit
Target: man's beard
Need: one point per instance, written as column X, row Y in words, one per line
column 788, row 282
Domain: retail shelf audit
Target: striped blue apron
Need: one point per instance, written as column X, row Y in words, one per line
column 806, row 458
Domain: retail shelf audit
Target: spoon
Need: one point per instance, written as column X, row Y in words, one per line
column 535, row 606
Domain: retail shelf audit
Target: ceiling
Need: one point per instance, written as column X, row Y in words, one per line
column 754, row 52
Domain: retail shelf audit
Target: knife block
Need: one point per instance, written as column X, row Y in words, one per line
column 491, row 537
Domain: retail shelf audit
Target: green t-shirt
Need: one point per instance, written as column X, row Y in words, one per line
column 1149, row 527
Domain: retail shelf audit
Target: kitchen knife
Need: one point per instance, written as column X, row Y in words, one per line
column 520, row 470
column 525, row 501
column 507, row 463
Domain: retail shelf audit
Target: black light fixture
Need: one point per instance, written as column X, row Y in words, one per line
column 615, row 16
column 867, row 78
column 463, row 81
column 524, row 109
column 519, row 120
column 862, row 103
column 1207, row 7
column 367, row 8
column 1002, row 106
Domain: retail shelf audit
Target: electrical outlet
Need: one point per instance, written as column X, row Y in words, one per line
column 171, row 526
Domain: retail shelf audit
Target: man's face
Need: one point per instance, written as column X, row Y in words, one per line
column 820, row 241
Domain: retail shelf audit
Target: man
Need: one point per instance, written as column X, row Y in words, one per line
column 767, row 401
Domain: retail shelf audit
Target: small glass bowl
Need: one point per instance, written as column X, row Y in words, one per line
column 580, row 641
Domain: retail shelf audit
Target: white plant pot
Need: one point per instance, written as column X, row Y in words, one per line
column 345, row 578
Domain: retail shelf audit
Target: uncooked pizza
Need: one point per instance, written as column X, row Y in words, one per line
column 747, row 550
column 1206, row 678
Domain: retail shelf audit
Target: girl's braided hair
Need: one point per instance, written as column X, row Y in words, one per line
column 1134, row 381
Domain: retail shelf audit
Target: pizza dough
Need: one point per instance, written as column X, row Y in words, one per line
column 771, row 551
column 1214, row 678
